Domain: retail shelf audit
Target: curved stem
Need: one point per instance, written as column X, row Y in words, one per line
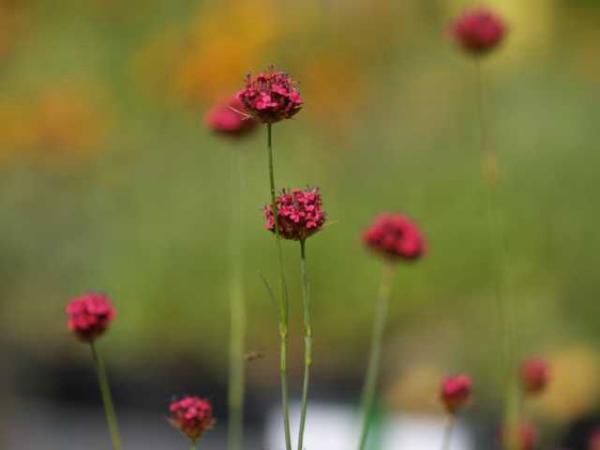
column 448, row 432
column 307, row 342
column 369, row 387
column 109, row 409
column 283, row 306
column 236, row 310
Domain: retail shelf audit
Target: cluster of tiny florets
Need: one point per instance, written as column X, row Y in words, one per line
column 192, row 416
column 479, row 30
column 395, row 237
column 271, row 96
column 299, row 214
column 229, row 117
column 455, row 392
column 89, row 315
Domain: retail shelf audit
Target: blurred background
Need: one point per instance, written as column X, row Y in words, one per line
column 110, row 181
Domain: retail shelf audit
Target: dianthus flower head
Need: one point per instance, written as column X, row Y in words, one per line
column 89, row 315
column 535, row 375
column 395, row 237
column 299, row 214
column 479, row 30
column 271, row 96
column 455, row 392
column 229, row 117
column 524, row 436
column 192, row 416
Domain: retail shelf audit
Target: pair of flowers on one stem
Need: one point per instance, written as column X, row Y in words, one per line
column 89, row 316
column 456, row 393
column 296, row 215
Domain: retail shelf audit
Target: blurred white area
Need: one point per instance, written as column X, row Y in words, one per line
column 328, row 427
column 331, row 426
column 423, row 432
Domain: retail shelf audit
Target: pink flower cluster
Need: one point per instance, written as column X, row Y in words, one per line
column 299, row 214
column 271, row 96
column 479, row 30
column 455, row 392
column 230, row 118
column 525, row 436
column 535, row 375
column 192, row 416
column 395, row 237
column 89, row 315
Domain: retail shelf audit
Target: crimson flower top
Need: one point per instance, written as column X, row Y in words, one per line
column 479, row 30
column 535, row 375
column 455, row 392
column 271, row 96
column 89, row 315
column 192, row 416
column 299, row 214
column 525, row 436
column 395, row 237
column 230, row 118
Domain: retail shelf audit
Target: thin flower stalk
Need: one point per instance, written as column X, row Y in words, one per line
column 283, row 304
column 237, row 309
column 370, row 384
column 109, row 409
column 504, row 298
column 308, row 341
column 448, row 429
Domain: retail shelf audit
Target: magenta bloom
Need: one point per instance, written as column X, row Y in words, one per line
column 395, row 237
column 299, row 214
column 230, row 118
column 455, row 392
column 526, row 436
column 192, row 416
column 89, row 315
column 271, row 96
column 535, row 375
column 479, row 30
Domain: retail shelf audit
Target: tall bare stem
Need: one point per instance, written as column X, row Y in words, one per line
column 370, row 385
column 308, row 333
column 283, row 304
column 109, row 409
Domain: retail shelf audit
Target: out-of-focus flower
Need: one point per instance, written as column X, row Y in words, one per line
column 230, row 118
column 192, row 416
column 299, row 214
column 231, row 34
column 89, row 315
column 455, row 392
column 479, row 30
column 395, row 237
column 535, row 375
column 574, row 388
column 327, row 111
column 524, row 438
column 594, row 441
column 271, row 96
column 69, row 121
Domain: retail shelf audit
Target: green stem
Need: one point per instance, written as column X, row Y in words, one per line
column 194, row 447
column 448, row 428
column 109, row 409
column 283, row 306
column 237, row 311
column 504, row 297
column 368, row 392
column 307, row 342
